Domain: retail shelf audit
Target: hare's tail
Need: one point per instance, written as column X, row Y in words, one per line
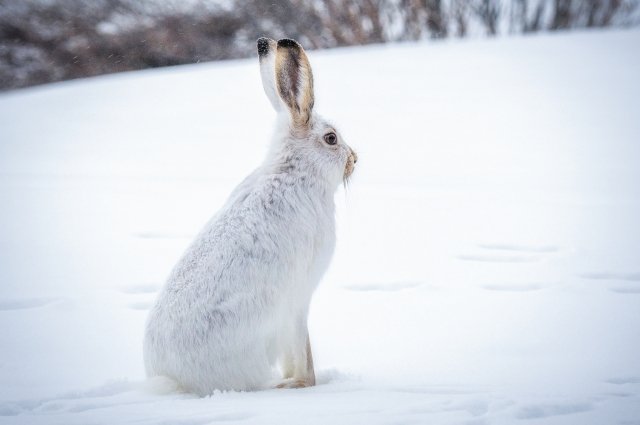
column 161, row 385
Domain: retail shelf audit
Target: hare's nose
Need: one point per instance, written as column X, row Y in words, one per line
column 355, row 156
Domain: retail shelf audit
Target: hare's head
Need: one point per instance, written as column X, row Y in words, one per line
column 288, row 83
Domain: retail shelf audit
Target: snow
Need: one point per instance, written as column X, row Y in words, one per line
column 488, row 260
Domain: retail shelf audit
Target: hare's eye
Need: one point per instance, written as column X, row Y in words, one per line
column 331, row 138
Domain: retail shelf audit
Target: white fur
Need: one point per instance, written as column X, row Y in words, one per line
column 235, row 306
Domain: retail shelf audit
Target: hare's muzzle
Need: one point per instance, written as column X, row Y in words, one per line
column 351, row 162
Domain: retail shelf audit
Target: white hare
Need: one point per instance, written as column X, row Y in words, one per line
column 234, row 310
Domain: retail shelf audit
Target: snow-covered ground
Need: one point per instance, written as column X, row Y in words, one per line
column 488, row 260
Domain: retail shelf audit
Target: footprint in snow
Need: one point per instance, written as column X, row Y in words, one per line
column 624, row 380
column 25, row 303
column 138, row 290
column 509, row 253
column 513, row 287
column 537, row 249
column 625, row 290
column 539, row 411
column 473, row 407
column 141, row 289
column 141, row 306
column 628, row 277
column 499, row 258
column 387, row 287
column 162, row 235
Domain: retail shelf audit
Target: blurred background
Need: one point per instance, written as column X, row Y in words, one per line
column 52, row 40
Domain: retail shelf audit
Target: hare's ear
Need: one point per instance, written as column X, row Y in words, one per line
column 294, row 81
column 267, row 55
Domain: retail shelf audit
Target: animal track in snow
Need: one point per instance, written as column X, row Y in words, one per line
column 513, row 287
column 538, row 411
column 388, row 287
column 624, row 380
column 476, row 407
column 25, row 303
column 538, row 249
column 435, row 390
column 509, row 253
column 162, row 235
column 142, row 305
column 625, row 290
column 499, row 258
column 141, row 289
column 630, row 277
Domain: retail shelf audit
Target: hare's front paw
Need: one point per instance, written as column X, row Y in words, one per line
column 294, row 383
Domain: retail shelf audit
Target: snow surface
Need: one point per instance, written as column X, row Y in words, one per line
column 488, row 260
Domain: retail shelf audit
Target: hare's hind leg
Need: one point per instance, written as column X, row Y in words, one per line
column 298, row 365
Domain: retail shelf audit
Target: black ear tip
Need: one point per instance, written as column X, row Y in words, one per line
column 263, row 46
column 288, row 43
